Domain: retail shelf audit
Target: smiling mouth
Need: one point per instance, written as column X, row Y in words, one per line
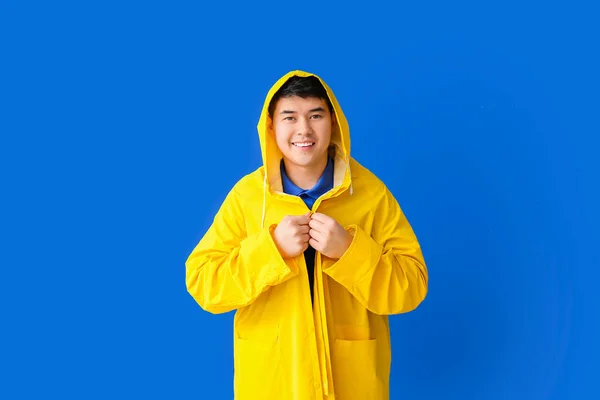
column 304, row 144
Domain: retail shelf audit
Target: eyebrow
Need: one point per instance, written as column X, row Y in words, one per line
column 318, row 109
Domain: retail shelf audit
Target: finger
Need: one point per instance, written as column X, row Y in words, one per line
column 299, row 219
column 305, row 216
column 321, row 218
column 304, row 238
column 316, row 235
column 317, row 225
column 305, row 219
column 303, row 229
column 314, row 244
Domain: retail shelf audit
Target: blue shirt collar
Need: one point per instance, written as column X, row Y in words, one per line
column 324, row 184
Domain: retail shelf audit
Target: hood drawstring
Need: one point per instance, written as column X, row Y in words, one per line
column 264, row 208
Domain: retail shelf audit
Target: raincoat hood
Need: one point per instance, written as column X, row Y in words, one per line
column 271, row 155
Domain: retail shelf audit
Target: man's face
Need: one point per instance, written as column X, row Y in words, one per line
column 303, row 130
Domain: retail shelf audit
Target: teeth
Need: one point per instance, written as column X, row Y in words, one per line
column 303, row 144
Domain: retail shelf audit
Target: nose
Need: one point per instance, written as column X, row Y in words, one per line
column 304, row 127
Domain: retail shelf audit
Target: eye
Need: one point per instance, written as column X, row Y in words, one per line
column 289, row 118
column 316, row 116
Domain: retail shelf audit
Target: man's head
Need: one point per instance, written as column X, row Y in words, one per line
column 303, row 120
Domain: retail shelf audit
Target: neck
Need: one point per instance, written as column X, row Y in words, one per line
column 305, row 177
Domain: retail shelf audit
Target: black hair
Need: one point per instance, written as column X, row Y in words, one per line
column 309, row 86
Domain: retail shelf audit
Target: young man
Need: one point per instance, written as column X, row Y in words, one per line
column 314, row 253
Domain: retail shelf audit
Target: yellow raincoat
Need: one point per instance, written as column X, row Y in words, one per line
column 286, row 348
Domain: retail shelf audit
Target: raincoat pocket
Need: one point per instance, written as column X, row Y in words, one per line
column 355, row 370
column 257, row 365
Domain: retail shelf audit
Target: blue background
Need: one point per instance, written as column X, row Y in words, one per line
column 124, row 124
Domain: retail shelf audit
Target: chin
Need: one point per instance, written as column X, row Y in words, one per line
column 306, row 160
column 306, row 163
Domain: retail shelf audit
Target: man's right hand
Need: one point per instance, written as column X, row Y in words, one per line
column 291, row 235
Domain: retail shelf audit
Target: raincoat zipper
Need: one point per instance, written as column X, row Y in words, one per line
column 320, row 319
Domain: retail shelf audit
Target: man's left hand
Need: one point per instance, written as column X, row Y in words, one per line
column 328, row 237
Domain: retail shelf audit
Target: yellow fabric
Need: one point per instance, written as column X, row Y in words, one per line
column 285, row 348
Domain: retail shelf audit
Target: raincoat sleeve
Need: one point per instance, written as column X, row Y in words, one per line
column 229, row 269
column 384, row 271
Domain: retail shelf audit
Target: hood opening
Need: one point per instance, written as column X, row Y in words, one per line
column 271, row 155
